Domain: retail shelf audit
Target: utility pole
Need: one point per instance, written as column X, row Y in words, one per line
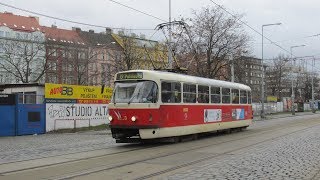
column 170, row 56
column 312, row 86
column 292, row 84
column 232, row 69
column 263, row 72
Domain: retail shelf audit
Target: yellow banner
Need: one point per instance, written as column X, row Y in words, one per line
column 64, row 91
column 272, row 99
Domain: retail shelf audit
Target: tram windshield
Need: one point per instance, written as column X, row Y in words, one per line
column 135, row 92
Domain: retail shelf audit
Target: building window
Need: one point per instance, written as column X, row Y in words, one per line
column 18, row 35
column 1, row 33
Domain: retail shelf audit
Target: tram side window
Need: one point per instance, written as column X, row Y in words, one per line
column 249, row 97
column 235, row 96
column 203, row 94
column 226, row 95
column 243, row 97
column 215, row 95
column 171, row 92
column 189, row 93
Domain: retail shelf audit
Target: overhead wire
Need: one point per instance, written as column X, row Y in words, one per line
column 224, row 9
column 138, row 10
column 67, row 20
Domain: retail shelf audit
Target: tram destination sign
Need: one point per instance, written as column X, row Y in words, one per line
column 130, row 75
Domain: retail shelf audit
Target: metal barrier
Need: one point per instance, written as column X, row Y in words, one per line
column 74, row 122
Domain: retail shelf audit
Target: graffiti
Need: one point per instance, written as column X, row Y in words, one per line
column 54, row 111
column 60, row 111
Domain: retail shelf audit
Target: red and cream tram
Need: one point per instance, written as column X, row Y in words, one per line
column 154, row 104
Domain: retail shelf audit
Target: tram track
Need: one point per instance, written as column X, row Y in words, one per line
column 70, row 161
column 191, row 149
column 92, row 170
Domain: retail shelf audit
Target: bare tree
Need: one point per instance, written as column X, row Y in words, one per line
column 24, row 59
column 69, row 62
column 278, row 76
column 132, row 51
column 216, row 38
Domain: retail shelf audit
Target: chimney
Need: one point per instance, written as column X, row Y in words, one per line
column 53, row 26
column 108, row 30
column 91, row 31
column 77, row 29
column 37, row 18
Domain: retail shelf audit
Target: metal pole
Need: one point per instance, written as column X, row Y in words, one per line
column 292, row 89
column 232, row 69
column 263, row 73
column 170, row 39
column 262, row 81
column 312, row 87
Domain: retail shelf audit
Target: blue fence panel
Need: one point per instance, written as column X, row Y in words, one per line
column 7, row 121
column 30, row 119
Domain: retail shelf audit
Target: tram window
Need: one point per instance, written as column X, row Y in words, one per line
column 189, row 93
column 249, row 97
column 215, row 95
column 135, row 92
column 243, row 97
column 235, row 96
column 226, row 95
column 203, row 94
column 171, row 92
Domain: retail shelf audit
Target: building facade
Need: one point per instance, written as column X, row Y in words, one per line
column 104, row 55
column 22, row 49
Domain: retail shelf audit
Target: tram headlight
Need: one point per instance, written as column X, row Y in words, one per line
column 110, row 118
column 133, row 118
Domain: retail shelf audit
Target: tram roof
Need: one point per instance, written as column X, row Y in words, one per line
column 161, row 75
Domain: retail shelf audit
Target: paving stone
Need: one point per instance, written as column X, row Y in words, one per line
column 291, row 157
column 30, row 147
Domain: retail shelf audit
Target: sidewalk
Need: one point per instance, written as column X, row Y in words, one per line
column 281, row 115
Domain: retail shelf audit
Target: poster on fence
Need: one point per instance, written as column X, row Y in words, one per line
column 72, row 106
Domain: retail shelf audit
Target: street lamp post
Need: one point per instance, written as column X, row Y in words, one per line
column 312, row 87
column 263, row 72
column 292, row 88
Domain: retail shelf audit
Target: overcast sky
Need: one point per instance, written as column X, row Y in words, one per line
column 299, row 18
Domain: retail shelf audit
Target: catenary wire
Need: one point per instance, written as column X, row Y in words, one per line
column 138, row 10
column 66, row 20
column 221, row 7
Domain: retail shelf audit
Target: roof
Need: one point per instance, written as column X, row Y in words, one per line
column 62, row 35
column 139, row 42
column 99, row 39
column 19, row 23
column 160, row 75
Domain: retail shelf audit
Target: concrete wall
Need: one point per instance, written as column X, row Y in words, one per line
column 68, row 115
column 271, row 108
